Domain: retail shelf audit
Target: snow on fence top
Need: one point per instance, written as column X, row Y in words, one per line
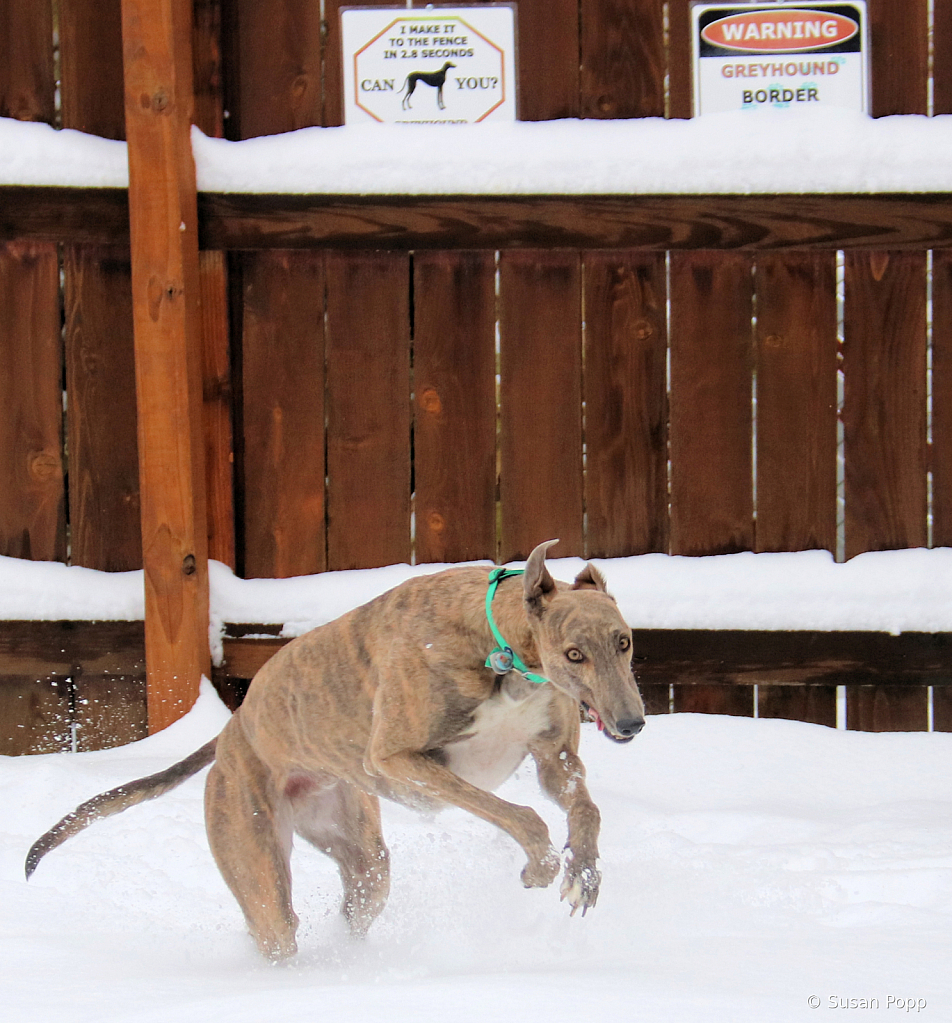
column 732, row 153
column 890, row 591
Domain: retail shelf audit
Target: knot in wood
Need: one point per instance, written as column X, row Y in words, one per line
column 44, row 466
column 774, row 341
column 436, row 522
column 430, row 401
column 160, row 101
column 188, row 564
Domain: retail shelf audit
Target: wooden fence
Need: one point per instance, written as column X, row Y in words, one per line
column 351, row 348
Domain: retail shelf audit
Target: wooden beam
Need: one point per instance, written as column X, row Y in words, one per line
column 166, row 287
column 655, row 223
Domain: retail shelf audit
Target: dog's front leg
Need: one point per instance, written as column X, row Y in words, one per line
column 412, row 773
column 562, row 776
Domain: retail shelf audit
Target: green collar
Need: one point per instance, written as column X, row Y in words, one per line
column 502, row 660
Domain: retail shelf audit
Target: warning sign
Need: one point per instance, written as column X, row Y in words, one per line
column 432, row 65
column 779, row 56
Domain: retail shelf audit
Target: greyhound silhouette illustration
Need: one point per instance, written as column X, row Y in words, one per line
column 435, row 78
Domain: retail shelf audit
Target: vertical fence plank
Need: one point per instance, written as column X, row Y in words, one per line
column 622, row 58
column 32, row 500
column 104, row 510
column 105, row 529
column 625, row 380
column 548, row 59
column 454, row 356
column 272, row 66
column 899, row 64
column 283, row 415
column 814, row 704
column 368, row 409
column 680, row 102
column 796, row 402
column 32, row 504
column 887, row 708
column 541, row 423
column 884, row 409
column 27, row 88
column 941, row 451
column 711, row 421
column 732, row 699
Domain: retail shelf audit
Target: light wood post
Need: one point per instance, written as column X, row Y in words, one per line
column 165, row 287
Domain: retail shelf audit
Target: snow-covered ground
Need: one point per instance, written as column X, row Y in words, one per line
column 742, row 152
column 749, row 865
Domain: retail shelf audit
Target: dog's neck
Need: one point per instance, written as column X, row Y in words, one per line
column 512, row 620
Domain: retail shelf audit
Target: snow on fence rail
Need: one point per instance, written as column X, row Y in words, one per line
column 678, row 374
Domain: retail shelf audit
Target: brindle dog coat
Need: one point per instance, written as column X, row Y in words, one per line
column 394, row 699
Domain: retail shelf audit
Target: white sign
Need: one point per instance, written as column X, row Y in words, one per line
column 429, row 65
column 779, row 55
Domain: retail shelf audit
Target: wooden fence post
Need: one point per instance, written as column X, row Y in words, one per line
column 156, row 37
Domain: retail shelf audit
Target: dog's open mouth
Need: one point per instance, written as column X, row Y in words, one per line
column 593, row 715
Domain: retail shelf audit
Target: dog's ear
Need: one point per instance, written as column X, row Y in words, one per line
column 537, row 583
column 590, row 579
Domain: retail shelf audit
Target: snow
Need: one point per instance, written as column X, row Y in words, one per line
column 764, row 151
column 748, row 865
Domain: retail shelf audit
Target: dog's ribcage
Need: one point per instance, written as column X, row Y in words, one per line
column 497, row 742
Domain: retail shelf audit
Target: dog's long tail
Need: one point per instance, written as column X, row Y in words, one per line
column 119, row 799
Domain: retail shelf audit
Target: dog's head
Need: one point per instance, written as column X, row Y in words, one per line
column 584, row 645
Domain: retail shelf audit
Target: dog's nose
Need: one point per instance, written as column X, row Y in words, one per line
column 630, row 727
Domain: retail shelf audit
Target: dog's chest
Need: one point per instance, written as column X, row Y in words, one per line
column 497, row 742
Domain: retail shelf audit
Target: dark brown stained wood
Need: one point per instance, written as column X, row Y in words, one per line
column 887, row 708
column 32, row 498
column 884, row 411
column 109, row 711
column 166, row 315
column 104, row 505
column 217, row 387
column 218, row 397
column 680, row 99
column 623, row 58
column 899, row 64
column 272, row 66
column 785, row 659
column 34, row 715
column 941, row 450
column 656, row 697
column 90, row 35
column 333, row 110
column 796, row 352
column 814, row 704
column 711, row 420
column 654, row 223
column 547, row 59
column 51, row 214
column 283, row 414
column 942, row 65
column 541, row 398
column 701, row 698
column 207, row 71
column 942, row 709
column 626, row 404
column 27, row 82
column 454, row 374
column 101, row 411
column 368, row 409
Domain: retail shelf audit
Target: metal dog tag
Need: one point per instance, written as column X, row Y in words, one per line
column 501, row 661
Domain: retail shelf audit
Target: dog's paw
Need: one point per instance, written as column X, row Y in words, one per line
column 580, row 886
column 542, row 872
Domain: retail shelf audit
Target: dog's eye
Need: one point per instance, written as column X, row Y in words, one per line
column 574, row 654
column 624, row 643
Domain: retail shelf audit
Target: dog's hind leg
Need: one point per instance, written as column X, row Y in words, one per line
column 249, row 831
column 345, row 823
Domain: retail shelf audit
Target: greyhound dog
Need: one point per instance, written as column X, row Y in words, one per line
column 428, row 695
column 435, row 78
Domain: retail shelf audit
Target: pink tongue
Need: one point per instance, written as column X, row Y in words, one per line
column 598, row 720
